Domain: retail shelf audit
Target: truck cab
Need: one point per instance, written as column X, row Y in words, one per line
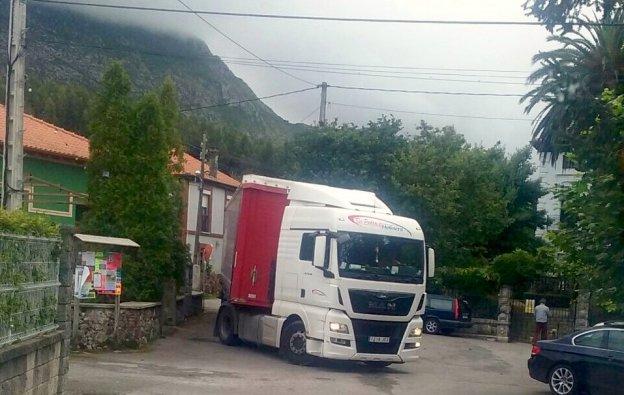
column 322, row 271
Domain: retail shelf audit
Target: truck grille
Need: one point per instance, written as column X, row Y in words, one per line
column 380, row 303
column 363, row 330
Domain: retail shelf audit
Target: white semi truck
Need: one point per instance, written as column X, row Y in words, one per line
column 320, row 271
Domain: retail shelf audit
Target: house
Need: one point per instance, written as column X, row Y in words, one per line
column 55, row 183
column 553, row 175
column 217, row 192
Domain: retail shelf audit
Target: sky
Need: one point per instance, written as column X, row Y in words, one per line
column 438, row 47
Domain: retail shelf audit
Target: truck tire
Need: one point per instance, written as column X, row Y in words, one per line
column 293, row 344
column 225, row 327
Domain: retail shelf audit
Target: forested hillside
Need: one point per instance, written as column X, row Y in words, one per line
column 68, row 51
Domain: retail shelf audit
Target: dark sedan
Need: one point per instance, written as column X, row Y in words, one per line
column 591, row 360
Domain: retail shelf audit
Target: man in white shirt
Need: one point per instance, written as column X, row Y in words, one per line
column 542, row 312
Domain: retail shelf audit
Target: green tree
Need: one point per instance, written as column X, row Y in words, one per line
column 135, row 150
column 347, row 155
column 474, row 203
column 571, row 79
column 65, row 105
column 590, row 242
column 557, row 12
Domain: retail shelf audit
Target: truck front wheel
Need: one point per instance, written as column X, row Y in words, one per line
column 225, row 327
column 293, row 344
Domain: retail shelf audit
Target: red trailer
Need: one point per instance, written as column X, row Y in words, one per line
column 254, row 219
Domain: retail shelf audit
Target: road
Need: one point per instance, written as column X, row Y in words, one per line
column 193, row 362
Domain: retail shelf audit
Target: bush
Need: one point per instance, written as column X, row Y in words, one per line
column 27, row 224
column 516, row 268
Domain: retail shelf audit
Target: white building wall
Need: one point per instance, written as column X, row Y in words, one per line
column 215, row 237
column 552, row 176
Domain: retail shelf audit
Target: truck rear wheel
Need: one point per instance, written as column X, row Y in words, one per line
column 293, row 344
column 225, row 327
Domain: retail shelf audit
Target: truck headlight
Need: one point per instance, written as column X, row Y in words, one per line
column 416, row 332
column 338, row 327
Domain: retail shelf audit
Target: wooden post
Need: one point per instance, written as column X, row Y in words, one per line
column 76, row 318
column 116, row 322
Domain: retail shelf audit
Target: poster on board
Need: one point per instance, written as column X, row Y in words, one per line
column 100, row 272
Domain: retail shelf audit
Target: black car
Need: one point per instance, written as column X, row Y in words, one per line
column 444, row 314
column 591, row 360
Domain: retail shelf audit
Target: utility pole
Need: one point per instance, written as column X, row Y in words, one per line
column 198, row 229
column 214, row 163
column 322, row 119
column 200, row 199
column 13, row 155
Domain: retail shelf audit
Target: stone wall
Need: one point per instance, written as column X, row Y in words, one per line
column 497, row 329
column 481, row 327
column 32, row 366
column 139, row 323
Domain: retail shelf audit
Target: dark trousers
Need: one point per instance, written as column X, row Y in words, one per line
column 541, row 331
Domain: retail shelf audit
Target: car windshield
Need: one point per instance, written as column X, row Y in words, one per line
column 380, row 258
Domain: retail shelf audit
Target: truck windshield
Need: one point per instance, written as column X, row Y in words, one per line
column 380, row 258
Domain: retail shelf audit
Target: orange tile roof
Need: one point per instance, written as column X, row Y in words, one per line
column 44, row 138
column 192, row 165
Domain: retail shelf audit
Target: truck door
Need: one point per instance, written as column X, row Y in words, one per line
column 314, row 286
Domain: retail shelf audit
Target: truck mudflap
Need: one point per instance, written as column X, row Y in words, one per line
column 360, row 340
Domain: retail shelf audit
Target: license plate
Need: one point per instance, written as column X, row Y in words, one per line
column 378, row 339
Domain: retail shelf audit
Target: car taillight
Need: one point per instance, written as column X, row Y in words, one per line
column 535, row 350
column 456, row 308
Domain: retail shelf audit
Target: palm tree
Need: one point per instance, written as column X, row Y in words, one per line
column 572, row 79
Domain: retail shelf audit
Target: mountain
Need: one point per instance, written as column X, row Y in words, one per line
column 69, row 47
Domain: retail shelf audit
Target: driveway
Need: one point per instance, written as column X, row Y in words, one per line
column 192, row 362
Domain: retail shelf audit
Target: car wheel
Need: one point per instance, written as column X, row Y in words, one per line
column 377, row 364
column 562, row 380
column 431, row 326
column 225, row 327
column 293, row 344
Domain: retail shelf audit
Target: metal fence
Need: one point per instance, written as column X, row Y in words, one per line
column 29, row 270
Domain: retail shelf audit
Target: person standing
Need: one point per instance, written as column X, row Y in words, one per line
column 542, row 312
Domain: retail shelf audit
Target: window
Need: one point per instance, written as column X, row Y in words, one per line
column 205, row 212
column 591, row 339
column 616, row 340
column 380, row 258
column 567, row 164
column 441, row 304
column 306, row 253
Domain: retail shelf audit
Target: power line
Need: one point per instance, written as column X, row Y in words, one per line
column 320, row 66
column 319, row 70
column 430, row 113
column 309, row 115
column 289, row 64
column 240, row 45
column 249, row 100
column 386, row 67
column 326, row 18
column 426, row 92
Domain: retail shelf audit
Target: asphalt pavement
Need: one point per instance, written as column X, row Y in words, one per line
column 192, row 361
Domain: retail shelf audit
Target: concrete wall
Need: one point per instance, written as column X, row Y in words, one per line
column 32, row 366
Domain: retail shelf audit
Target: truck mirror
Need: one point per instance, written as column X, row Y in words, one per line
column 319, row 251
column 430, row 262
